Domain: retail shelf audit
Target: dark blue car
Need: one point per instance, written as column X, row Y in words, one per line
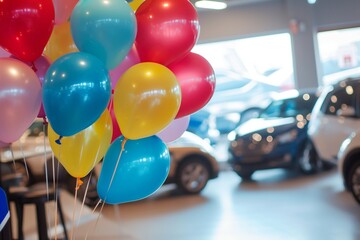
column 275, row 139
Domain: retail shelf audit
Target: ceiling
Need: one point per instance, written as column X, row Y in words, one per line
column 231, row 3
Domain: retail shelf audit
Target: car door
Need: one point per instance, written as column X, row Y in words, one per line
column 337, row 119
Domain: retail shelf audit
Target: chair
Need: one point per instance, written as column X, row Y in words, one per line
column 35, row 194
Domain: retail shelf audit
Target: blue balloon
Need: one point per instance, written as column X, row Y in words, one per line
column 76, row 91
column 106, row 29
column 142, row 169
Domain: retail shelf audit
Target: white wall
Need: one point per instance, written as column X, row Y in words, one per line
column 275, row 16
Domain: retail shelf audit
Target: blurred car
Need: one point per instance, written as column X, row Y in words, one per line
column 192, row 163
column 335, row 116
column 349, row 164
column 276, row 138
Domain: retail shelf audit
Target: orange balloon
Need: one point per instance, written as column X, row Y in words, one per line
column 60, row 42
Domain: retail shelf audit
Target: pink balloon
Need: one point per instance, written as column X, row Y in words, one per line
column 3, row 144
column 130, row 60
column 4, row 53
column 20, row 98
column 197, row 82
column 174, row 130
column 40, row 66
column 63, row 9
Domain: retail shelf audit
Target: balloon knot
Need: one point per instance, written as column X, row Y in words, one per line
column 123, row 143
column 45, row 122
column 112, row 91
column 58, row 141
column 79, row 182
column 33, row 67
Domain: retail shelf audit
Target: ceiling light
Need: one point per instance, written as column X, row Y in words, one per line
column 311, row 1
column 210, row 4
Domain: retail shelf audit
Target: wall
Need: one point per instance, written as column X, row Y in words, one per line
column 275, row 16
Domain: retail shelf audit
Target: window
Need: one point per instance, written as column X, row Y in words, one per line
column 248, row 68
column 338, row 101
column 339, row 54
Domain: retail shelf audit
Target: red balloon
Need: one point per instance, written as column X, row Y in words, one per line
column 197, row 82
column 26, row 27
column 167, row 30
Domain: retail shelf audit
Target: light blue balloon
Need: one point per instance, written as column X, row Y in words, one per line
column 106, row 29
column 142, row 169
column 76, row 91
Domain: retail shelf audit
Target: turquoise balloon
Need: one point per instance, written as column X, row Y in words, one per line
column 106, row 29
column 142, row 169
column 76, row 91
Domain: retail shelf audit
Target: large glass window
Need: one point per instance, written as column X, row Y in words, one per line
column 247, row 68
column 339, row 54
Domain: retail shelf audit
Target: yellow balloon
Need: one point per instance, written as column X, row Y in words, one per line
column 135, row 4
column 60, row 42
column 147, row 98
column 79, row 153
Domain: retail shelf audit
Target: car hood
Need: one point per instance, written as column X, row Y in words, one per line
column 259, row 124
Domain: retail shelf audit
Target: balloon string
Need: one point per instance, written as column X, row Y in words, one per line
column 13, row 158
column 98, row 217
column 84, row 198
column 45, row 163
column 111, row 181
column 79, row 182
column 46, row 173
column 56, row 183
column 116, row 166
column 24, row 159
column 93, row 211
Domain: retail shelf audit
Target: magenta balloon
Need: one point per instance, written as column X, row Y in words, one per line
column 130, row 60
column 20, row 98
column 42, row 64
column 174, row 130
column 63, row 9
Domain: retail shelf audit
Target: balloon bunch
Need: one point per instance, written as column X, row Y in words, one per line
column 117, row 81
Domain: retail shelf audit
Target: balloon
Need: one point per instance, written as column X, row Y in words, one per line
column 76, row 91
column 140, row 170
column 174, row 130
column 167, row 30
column 116, row 129
column 3, row 53
column 41, row 65
column 146, row 100
column 135, row 4
column 63, row 9
column 4, row 145
column 79, row 153
column 20, row 98
column 26, row 27
column 130, row 60
column 60, row 42
column 197, row 82
column 105, row 29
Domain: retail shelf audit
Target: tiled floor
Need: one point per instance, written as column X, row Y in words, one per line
column 277, row 205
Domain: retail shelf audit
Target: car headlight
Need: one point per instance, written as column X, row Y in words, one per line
column 287, row 137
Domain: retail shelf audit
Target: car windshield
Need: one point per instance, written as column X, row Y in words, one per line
column 289, row 107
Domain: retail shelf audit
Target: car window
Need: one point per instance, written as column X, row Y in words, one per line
column 290, row 107
column 339, row 100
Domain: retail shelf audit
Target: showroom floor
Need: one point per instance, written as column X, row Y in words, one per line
column 277, row 205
